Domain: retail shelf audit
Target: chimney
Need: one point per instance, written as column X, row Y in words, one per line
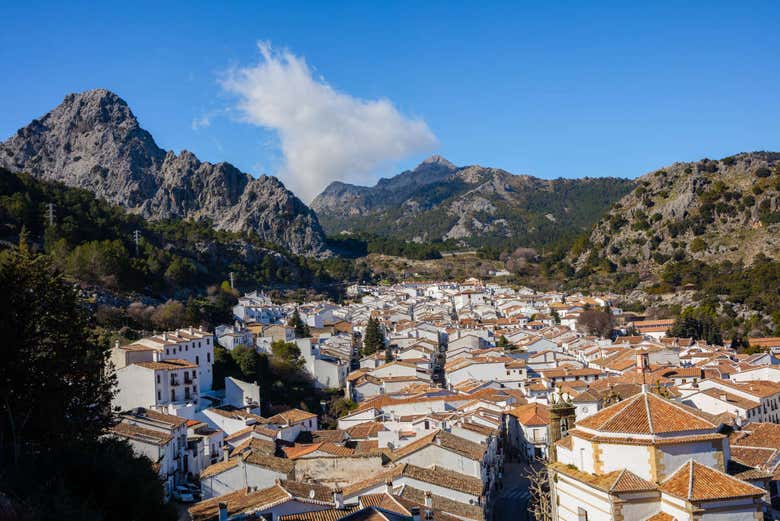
column 223, row 512
column 200, row 328
column 389, row 486
column 191, row 330
column 116, row 344
column 723, row 397
column 338, row 498
column 165, row 335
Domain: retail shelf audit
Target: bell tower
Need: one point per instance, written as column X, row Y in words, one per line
column 562, row 418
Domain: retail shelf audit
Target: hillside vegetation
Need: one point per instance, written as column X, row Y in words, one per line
column 709, row 227
column 470, row 206
column 93, row 242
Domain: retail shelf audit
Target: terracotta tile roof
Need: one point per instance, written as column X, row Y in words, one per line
column 291, row 417
column 615, row 482
column 696, row 482
column 238, row 501
column 409, row 505
column 731, row 398
column 445, row 504
column 302, row 450
column 760, row 388
column 238, row 434
column 565, row 442
column 433, row 475
column 331, row 435
column 661, row 516
column 170, row 419
column 627, row 481
column 167, row 365
column 281, row 465
column 532, row 414
column 753, row 456
column 330, row 514
column 134, row 432
column 765, row 435
column 365, row 430
column 247, row 500
column 628, row 440
column 218, row 468
column 446, row 440
column 645, row 413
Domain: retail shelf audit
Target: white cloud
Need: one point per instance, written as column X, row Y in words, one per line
column 200, row 122
column 325, row 135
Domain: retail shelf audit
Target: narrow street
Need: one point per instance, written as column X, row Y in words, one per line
column 512, row 500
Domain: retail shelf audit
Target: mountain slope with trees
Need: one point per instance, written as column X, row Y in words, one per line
column 469, row 206
column 93, row 242
column 708, row 229
column 92, row 140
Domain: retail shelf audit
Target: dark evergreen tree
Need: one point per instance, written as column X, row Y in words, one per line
column 301, row 328
column 55, row 405
column 374, row 339
column 699, row 324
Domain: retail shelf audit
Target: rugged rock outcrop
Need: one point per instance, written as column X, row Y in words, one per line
column 93, row 141
column 710, row 210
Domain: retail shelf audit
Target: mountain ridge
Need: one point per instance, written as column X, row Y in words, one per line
column 92, row 140
column 438, row 201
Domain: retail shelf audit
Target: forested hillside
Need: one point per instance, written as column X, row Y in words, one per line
column 94, row 242
column 470, row 207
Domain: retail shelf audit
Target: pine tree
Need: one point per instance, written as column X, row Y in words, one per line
column 374, row 339
column 301, row 328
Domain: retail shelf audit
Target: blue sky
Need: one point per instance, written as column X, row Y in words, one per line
column 548, row 89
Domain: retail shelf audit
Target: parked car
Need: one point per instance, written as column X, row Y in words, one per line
column 183, row 494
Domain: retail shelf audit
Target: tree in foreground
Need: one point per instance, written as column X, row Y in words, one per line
column 540, row 503
column 55, row 405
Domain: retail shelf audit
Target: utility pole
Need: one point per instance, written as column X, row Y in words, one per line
column 50, row 214
column 137, row 238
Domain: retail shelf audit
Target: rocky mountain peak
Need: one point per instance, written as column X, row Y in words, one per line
column 92, row 140
column 437, row 160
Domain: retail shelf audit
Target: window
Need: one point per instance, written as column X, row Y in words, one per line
column 173, row 395
column 208, row 357
column 582, row 514
column 158, row 378
column 207, row 341
column 159, row 396
column 197, row 360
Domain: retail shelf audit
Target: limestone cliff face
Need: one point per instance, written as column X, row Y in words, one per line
column 93, row 141
column 709, row 210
